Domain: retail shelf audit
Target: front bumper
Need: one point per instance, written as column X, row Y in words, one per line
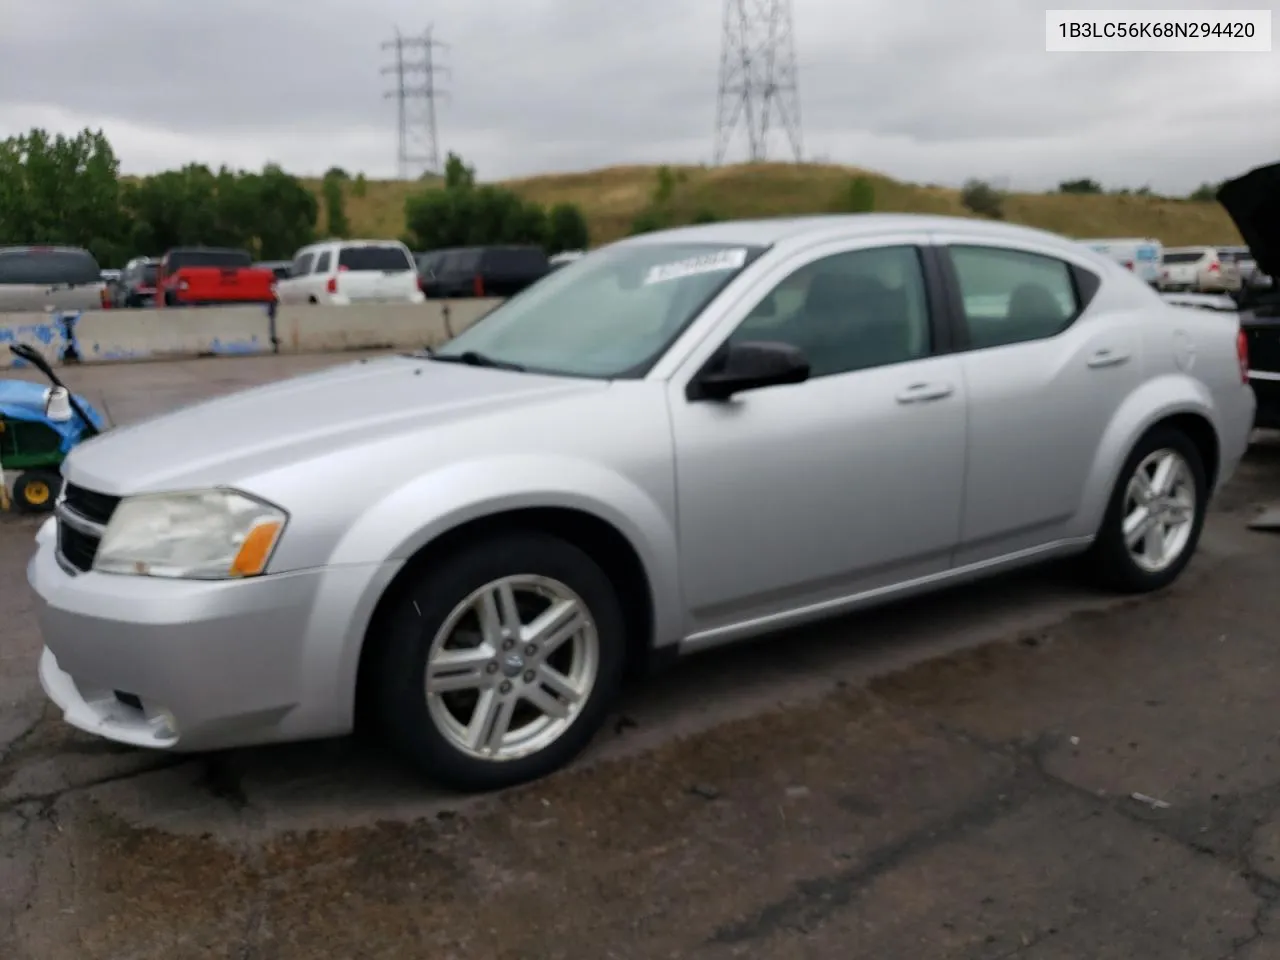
column 192, row 665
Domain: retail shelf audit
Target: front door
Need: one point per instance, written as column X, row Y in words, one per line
column 802, row 496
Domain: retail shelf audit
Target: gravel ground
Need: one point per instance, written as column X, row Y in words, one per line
column 953, row 777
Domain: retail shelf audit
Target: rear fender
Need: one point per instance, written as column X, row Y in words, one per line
column 1150, row 403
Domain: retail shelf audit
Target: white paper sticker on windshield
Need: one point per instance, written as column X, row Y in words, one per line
column 691, row 266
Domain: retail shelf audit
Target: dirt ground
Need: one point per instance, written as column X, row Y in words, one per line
column 953, row 777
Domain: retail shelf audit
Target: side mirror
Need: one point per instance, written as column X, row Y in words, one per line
column 749, row 365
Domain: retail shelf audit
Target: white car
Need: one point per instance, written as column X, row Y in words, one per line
column 1197, row 270
column 343, row 272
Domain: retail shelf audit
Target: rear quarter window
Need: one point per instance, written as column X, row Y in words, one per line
column 375, row 258
column 48, row 267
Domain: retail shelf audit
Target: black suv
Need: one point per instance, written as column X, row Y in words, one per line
column 499, row 271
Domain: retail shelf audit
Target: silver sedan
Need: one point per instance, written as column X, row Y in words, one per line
column 678, row 441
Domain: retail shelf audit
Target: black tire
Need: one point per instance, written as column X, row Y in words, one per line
column 1109, row 560
column 36, row 491
column 420, row 611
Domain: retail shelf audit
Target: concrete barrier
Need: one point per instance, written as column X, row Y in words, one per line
column 46, row 332
column 319, row 329
column 97, row 336
column 103, row 335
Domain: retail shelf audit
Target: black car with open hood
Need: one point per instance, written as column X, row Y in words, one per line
column 1253, row 202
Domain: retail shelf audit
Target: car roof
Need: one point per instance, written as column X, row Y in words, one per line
column 782, row 230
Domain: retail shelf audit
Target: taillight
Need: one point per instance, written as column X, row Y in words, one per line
column 477, row 286
column 1214, row 267
column 1128, row 264
column 1242, row 354
column 104, row 299
column 332, row 285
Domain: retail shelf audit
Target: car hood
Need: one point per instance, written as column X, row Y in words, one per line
column 1253, row 202
column 224, row 440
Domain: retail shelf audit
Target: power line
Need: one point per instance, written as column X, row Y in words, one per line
column 417, row 147
column 758, row 77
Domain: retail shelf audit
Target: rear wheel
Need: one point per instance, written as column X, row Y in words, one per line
column 36, row 491
column 501, row 662
column 1155, row 516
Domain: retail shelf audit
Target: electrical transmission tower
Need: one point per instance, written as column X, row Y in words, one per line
column 758, row 77
column 414, row 70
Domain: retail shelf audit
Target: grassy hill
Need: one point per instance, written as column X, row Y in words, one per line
column 612, row 197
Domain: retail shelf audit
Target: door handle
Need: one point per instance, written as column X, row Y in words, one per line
column 1108, row 358
column 924, row 392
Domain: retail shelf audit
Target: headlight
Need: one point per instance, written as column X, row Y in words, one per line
column 200, row 535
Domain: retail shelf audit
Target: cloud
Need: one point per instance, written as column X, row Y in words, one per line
column 936, row 92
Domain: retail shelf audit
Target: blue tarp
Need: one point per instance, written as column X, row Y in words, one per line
column 23, row 400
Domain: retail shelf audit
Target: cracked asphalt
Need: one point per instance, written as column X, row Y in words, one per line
column 951, row 777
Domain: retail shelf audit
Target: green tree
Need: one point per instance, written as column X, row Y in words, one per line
column 649, row 220
column 1083, row 185
column 60, row 189
column 335, row 210
column 457, row 175
column 359, row 187
column 858, row 196
column 1205, row 193
column 566, row 229
column 705, row 215
column 983, row 199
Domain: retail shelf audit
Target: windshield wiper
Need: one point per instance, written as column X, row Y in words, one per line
column 473, row 359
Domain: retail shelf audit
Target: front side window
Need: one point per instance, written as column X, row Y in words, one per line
column 302, row 266
column 1011, row 296
column 611, row 314
column 850, row 311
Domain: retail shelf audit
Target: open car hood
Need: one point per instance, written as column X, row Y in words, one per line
column 1253, row 202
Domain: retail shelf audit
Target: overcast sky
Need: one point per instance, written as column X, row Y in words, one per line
column 931, row 91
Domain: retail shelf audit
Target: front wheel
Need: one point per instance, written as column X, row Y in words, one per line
column 1155, row 516
column 501, row 662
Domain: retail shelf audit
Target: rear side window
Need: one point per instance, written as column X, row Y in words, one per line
column 386, row 259
column 180, row 259
column 459, row 262
column 515, row 261
column 322, row 265
column 48, row 267
column 1010, row 296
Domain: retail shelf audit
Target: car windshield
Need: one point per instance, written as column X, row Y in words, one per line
column 609, row 315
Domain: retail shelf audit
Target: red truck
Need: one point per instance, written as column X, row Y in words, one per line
column 194, row 276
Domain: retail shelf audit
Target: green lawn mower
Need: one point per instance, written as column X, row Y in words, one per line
column 39, row 426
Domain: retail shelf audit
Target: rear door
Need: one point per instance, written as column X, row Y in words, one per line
column 373, row 272
column 1044, row 370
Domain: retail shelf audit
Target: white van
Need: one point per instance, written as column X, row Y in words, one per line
column 343, row 272
column 1139, row 254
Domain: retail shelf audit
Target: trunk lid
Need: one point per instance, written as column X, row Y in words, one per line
column 1253, row 203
